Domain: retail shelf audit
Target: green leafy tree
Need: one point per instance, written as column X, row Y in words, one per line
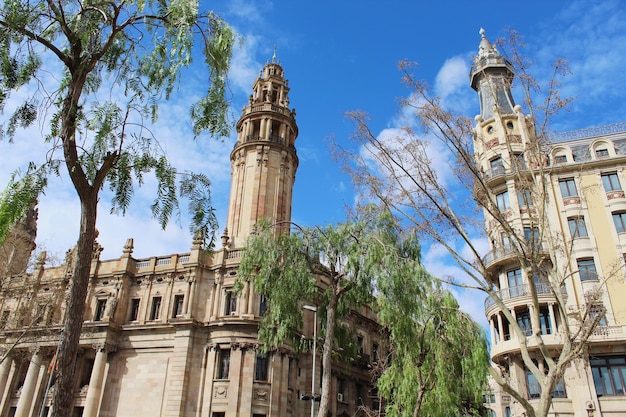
column 132, row 52
column 440, row 359
column 339, row 268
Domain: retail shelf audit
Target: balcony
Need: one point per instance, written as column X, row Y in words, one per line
column 512, row 345
column 500, row 255
column 522, row 291
column 503, row 254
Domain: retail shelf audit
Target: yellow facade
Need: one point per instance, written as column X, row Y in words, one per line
column 557, row 250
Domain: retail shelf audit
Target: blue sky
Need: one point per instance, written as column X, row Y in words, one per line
column 341, row 56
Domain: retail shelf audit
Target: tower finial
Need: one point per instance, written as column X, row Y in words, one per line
column 482, row 32
column 274, row 56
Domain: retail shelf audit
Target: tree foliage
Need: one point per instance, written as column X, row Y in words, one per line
column 95, row 73
column 344, row 267
column 443, row 206
column 440, row 358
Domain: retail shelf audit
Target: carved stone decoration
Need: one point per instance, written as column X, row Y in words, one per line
column 129, row 246
column 261, row 395
column 220, row 392
column 104, row 347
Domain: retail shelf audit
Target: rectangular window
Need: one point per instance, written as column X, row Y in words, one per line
column 262, row 305
column 514, row 278
column 598, row 310
column 497, row 166
column 577, row 227
column 523, row 321
column 155, row 312
column 560, row 159
column 5, row 318
column 602, row 153
column 231, row 304
column 290, row 372
column 101, row 305
column 524, row 198
column 518, row 161
column 134, row 309
column 341, row 390
column 611, row 182
column 179, row 303
column 531, row 234
column 375, row 352
column 587, row 269
column 359, row 343
column 502, row 201
column 619, row 219
column 568, row 188
column 262, row 367
column 544, row 320
column 224, row 364
column 534, row 389
column 609, row 375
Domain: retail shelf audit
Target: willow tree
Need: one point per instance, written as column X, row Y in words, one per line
column 341, row 268
column 132, row 53
column 440, row 360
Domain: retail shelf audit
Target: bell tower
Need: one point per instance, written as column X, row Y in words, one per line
column 264, row 159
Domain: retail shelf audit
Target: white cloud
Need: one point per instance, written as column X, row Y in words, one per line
column 452, row 76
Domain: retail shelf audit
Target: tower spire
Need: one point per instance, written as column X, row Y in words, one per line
column 491, row 76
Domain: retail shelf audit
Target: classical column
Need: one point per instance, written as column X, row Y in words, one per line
column 28, row 389
column 552, row 318
column 501, row 327
column 513, row 334
column 96, row 381
column 531, row 313
column 5, row 370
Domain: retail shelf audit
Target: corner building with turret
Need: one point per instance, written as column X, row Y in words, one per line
column 167, row 335
column 575, row 224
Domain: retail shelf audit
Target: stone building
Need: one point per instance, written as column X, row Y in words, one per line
column 579, row 225
column 166, row 335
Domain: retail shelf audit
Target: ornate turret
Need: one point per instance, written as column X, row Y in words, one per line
column 264, row 159
column 491, row 76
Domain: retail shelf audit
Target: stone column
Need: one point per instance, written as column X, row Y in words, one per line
column 25, row 401
column 263, row 129
column 511, row 333
column 552, row 318
column 501, row 328
column 5, row 369
column 96, row 381
column 531, row 313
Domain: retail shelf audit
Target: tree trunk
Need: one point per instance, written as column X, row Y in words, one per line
column 70, row 337
column 331, row 313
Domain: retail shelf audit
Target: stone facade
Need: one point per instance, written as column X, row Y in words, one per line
column 166, row 335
